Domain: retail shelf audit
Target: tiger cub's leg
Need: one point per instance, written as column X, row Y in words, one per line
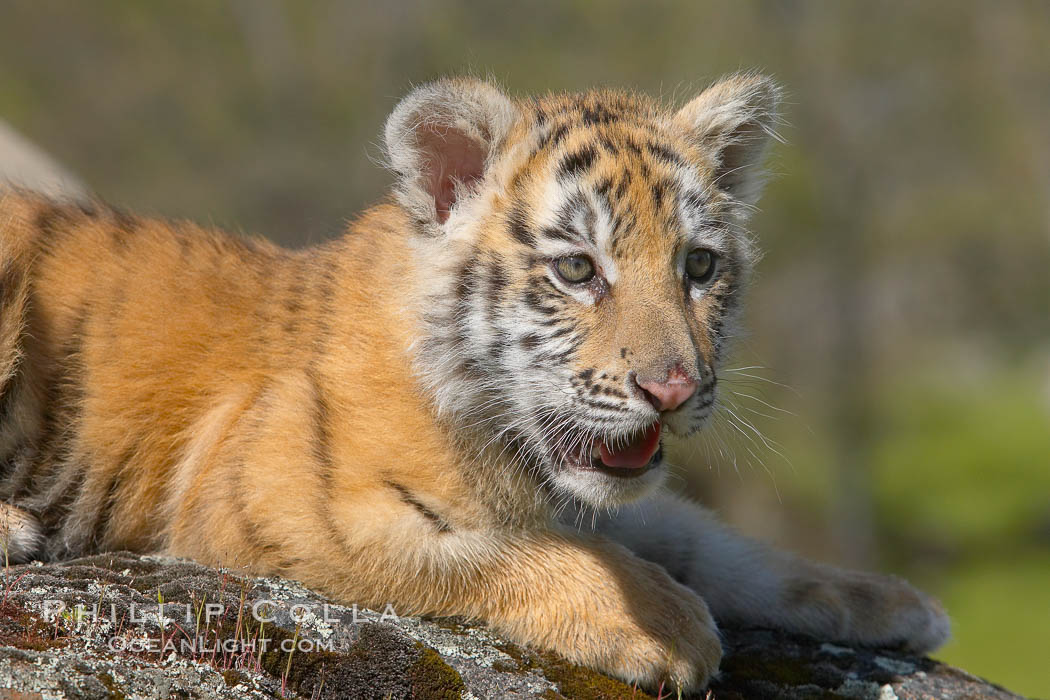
column 586, row 598
column 20, row 535
column 748, row 583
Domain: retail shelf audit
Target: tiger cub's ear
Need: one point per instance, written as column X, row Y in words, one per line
column 734, row 120
column 439, row 141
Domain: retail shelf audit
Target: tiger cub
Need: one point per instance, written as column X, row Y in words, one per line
column 399, row 415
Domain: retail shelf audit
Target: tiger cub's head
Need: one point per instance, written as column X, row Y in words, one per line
column 580, row 261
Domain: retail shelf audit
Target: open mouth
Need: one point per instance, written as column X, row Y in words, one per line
column 626, row 458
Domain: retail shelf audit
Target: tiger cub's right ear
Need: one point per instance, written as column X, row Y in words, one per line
column 439, row 142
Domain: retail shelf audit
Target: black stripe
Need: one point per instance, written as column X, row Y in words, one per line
column 554, row 137
column 593, row 403
column 125, row 226
column 321, row 439
column 293, row 302
column 530, row 261
column 321, row 451
column 248, row 528
column 623, row 224
column 567, row 214
column 564, row 330
column 519, row 229
column 645, row 170
column 530, row 341
column 466, row 280
column 430, row 515
column 470, row 369
column 569, row 352
column 695, row 199
column 544, row 281
column 559, row 234
column 535, row 302
column 497, row 283
column 590, row 223
column 657, row 189
column 559, row 358
column 575, row 163
column 616, row 421
column 540, row 115
column 548, row 322
column 597, row 114
column 51, row 221
column 662, row 152
column 602, row 189
column 497, row 348
column 326, row 288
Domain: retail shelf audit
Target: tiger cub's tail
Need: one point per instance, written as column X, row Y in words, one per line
column 21, row 535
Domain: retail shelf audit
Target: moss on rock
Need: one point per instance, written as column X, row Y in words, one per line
column 431, row 677
column 573, row 681
column 382, row 663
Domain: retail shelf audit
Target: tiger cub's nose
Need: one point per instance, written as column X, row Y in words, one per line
column 670, row 393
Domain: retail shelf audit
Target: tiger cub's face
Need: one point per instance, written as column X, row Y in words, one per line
column 587, row 255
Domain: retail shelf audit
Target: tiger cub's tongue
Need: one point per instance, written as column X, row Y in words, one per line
column 637, row 453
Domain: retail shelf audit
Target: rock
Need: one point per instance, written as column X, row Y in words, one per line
column 122, row 625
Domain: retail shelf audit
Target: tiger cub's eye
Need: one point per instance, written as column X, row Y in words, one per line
column 700, row 265
column 576, row 269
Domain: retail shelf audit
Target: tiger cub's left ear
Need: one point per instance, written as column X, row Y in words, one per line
column 734, row 121
column 439, row 143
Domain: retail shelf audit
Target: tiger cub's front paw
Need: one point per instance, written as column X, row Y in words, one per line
column 868, row 609
column 660, row 635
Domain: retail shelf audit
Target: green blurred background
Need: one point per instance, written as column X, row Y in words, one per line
column 898, row 361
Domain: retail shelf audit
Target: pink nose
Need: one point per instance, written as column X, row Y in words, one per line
column 669, row 395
